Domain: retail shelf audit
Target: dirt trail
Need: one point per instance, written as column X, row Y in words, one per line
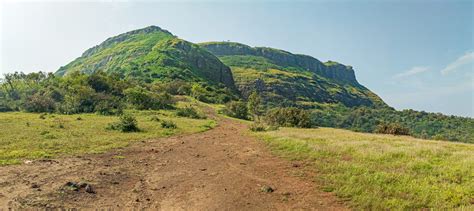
column 220, row 169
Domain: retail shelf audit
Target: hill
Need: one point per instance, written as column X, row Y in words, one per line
column 287, row 79
column 152, row 54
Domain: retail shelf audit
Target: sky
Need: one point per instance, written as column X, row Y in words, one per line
column 413, row 54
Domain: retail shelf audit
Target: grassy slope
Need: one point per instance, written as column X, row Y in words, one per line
column 152, row 55
column 43, row 138
column 382, row 171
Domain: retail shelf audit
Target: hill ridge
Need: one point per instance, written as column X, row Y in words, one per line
column 288, row 79
column 329, row 69
column 123, row 36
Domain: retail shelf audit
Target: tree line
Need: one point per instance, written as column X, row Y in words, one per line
column 110, row 94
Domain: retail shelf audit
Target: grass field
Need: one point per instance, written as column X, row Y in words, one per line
column 27, row 136
column 381, row 171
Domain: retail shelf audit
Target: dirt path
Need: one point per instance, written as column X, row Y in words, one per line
column 221, row 169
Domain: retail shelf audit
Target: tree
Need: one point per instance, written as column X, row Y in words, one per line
column 288, row 117
column 199, row 92
column 39, row 103
column 237, row 109
column 144, row 99
column 254, row 105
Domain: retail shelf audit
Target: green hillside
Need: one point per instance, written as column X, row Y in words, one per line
column 152, row 54
column 284, row 78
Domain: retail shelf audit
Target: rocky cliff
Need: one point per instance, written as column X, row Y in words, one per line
column 288, row 79
column 330, row 69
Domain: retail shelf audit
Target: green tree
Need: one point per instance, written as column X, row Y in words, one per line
column 237, row 109
column 199, row 92
column 254, row 105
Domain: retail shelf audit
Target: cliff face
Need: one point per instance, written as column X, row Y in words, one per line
column 330, row 70
column 152, row 54
column 290, row 79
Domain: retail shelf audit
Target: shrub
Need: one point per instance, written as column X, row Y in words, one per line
column 189, row 112
column 163, row 101
column 78, row 99
column 211, row 94
column 257, row 127
column 288, row 117
column 144, row 99
column 4, row 107
column 199, row 92
column 394, row 129
column 168, row 124
column 126, row 123
column 236, row 109
column 108, row 105
column 39, row 103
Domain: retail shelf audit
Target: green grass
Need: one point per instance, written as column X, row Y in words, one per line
column 26, row 136
column 382, row 171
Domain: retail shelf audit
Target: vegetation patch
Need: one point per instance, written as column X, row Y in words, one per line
column 288, row 117
column 40, row 140
column 127, row 123
column 236, row 109
column 168, row 124
column 387, row 120
column 189, row 112
column 394, row 129
column 378, row 172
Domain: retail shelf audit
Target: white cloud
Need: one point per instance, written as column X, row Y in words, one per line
column 461, row 61
column 412, row 71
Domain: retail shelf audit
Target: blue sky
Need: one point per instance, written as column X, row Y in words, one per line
column 414, row 54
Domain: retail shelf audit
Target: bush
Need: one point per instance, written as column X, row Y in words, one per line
column 163, row 101
column 168, row 124
column 189, row 112
column 261, row 126
column 127, row 123
column 39, row 103
column 211, row 94
column 288, row 117
column 108, row 105
column 144, row 99
column 236, row 109
column 394, row 129
column 79, row 99
column 4, row 107
column 257, row 127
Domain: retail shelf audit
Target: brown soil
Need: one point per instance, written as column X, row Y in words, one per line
column 221, row 169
